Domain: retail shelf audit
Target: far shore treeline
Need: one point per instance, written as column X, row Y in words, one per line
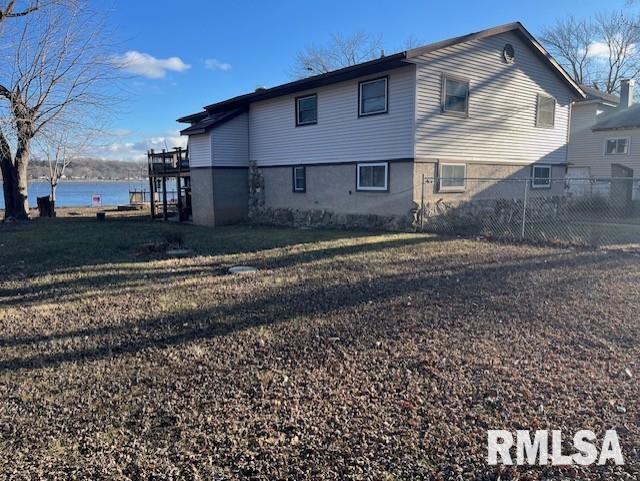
column 92, row 169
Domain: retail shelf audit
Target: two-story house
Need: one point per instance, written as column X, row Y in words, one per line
column 355, row 144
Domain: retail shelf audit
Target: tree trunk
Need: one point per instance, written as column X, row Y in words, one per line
column 9, row 179
column 22, row 162
column 54, row 188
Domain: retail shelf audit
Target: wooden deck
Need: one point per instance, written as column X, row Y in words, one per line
column 164, row 166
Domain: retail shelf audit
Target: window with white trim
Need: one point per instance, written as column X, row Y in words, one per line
column 299, row 179
column 617, row 146
column 372, row 176
column 541, row 177
column 545, row 111
column 452, row 177
column 373, row 97
column 455, row 95
column 307, row 110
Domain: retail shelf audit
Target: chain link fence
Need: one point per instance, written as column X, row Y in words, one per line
column 595, row 212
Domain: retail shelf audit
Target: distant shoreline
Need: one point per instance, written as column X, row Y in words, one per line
column 45, row 181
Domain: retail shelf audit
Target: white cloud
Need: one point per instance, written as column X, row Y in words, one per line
column 601, row 50
column 214, row 64
column 136, row 149
column 147, row 65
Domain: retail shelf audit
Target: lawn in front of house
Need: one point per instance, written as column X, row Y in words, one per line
column 349, row 355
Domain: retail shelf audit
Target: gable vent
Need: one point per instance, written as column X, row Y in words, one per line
column 508, row 53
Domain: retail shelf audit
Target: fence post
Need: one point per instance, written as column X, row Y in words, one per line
column 524, row 207
column 422, row 205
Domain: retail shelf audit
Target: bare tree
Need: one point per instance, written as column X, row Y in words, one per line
column 60, row 147
column 13, row 8
column 620, row 35
column 56, row 75
column 340, row 51
column 600, row 52
column 569, row 41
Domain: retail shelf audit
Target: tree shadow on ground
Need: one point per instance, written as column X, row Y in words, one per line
column 115, row 278
column 43, row 246
column 456, row 287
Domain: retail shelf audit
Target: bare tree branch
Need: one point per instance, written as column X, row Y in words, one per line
column 341, row 51
column 600, row 51
column 569, row 41
column 57, row 78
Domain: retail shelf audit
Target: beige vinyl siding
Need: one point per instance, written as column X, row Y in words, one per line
column 230, row 143
column 339, row 135
column 501, row 126
column 586, row 147
column 200, row 150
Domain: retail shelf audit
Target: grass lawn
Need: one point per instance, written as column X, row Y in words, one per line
column 349, row 355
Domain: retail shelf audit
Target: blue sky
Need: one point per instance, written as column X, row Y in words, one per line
column 192, row 53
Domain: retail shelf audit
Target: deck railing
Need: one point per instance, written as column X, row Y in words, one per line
column 168, row 161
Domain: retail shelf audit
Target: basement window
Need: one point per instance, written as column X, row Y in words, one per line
column 373, row 176
column 617, row 146
column 299, row 179
column 452, row 177
column 541, row 177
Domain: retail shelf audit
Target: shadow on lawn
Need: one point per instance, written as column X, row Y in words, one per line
column 42, row 246
column 113, row 281
column 461, row 290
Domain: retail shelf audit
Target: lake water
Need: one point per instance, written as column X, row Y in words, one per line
column 79, row 194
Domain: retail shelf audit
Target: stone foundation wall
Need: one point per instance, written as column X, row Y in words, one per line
column 323, row 218
column 491, row 217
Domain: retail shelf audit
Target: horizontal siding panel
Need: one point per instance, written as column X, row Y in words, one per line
column 340, row 135
column 502, row 105
column 586, row 148
column 200, row 150
column 230, row 143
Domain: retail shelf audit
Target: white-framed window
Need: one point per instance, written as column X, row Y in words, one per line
column 619, row 146
column 452, row 177
column 545, row 111
column 455, row 95
column 299, row 179
column 307, row 110
column 372, row 176
column 541, row 176
column 373, row 97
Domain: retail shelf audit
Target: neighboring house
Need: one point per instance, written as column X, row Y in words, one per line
column 605, row 136
column 354, row 144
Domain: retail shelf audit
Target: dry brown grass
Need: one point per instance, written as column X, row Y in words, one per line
column 348, row 356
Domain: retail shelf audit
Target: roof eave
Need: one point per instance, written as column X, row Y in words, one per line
column 196, row 130
column 196, row 117
column 347, row 73
column 604, row 129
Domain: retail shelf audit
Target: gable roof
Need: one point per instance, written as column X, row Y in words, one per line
column 593, row 93
column 386, row 63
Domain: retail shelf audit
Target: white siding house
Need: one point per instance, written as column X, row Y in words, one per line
column 339, row 135
column 354, row 143
column 501, row 123
column 200, row 150
column 230, row 143
column 223, row 145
